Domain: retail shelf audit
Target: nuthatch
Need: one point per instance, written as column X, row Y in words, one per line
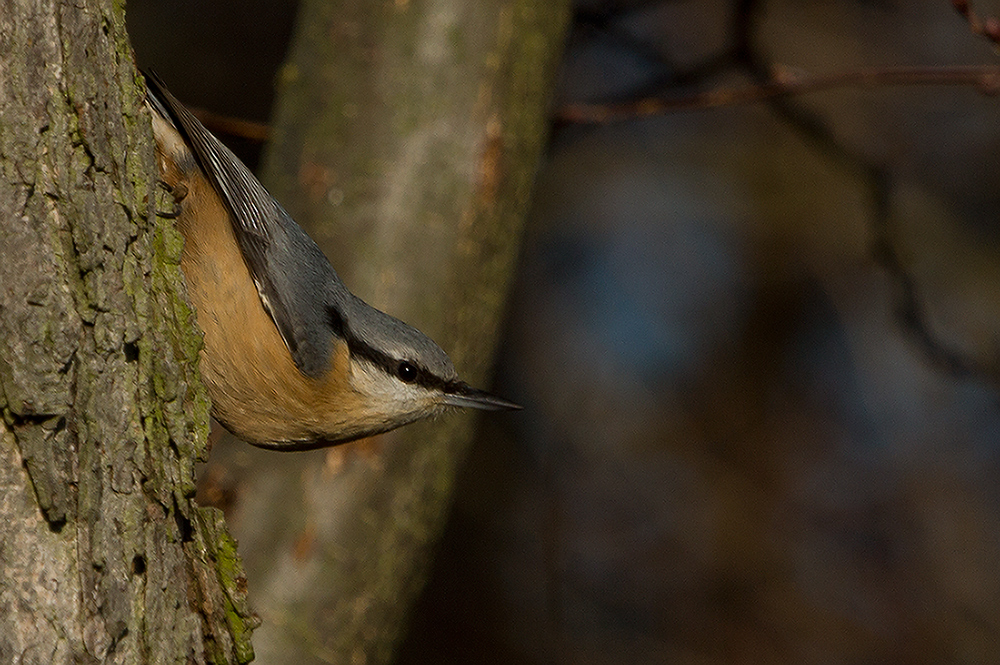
column 292, row 360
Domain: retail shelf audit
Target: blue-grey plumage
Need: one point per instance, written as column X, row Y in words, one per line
column 292, row 359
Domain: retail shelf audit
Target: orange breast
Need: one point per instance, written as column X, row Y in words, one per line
column 257, row 391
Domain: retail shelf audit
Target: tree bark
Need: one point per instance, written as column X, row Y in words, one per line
column 405, row 140
column 105, row 557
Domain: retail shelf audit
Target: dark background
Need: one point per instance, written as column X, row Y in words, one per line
column 757, row 345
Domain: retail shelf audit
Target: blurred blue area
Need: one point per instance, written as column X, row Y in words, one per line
column 658, row 292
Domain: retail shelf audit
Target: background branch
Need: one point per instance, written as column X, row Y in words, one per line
column 784, row 82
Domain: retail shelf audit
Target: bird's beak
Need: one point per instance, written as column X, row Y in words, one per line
column 465, row 396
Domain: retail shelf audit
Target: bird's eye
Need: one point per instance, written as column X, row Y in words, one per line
column 406, row 372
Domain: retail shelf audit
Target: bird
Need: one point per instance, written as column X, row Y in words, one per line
column 291, row 359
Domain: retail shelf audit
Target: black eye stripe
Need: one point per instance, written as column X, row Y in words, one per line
column 391, row 365
column 422, row 377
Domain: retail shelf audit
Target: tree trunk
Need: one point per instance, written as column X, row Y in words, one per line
column 105, row 558
column 406, row 141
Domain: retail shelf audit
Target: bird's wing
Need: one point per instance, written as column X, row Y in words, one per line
column 262, row 228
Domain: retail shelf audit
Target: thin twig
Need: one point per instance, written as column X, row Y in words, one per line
column 225, row 124
column 785, row 82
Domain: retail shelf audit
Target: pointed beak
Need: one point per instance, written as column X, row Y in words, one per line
column 465, row 396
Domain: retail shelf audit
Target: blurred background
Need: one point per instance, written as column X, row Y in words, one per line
column 758, row 346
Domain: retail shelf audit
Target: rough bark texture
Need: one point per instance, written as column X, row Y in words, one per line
column 406, row 142
column 104, row 556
